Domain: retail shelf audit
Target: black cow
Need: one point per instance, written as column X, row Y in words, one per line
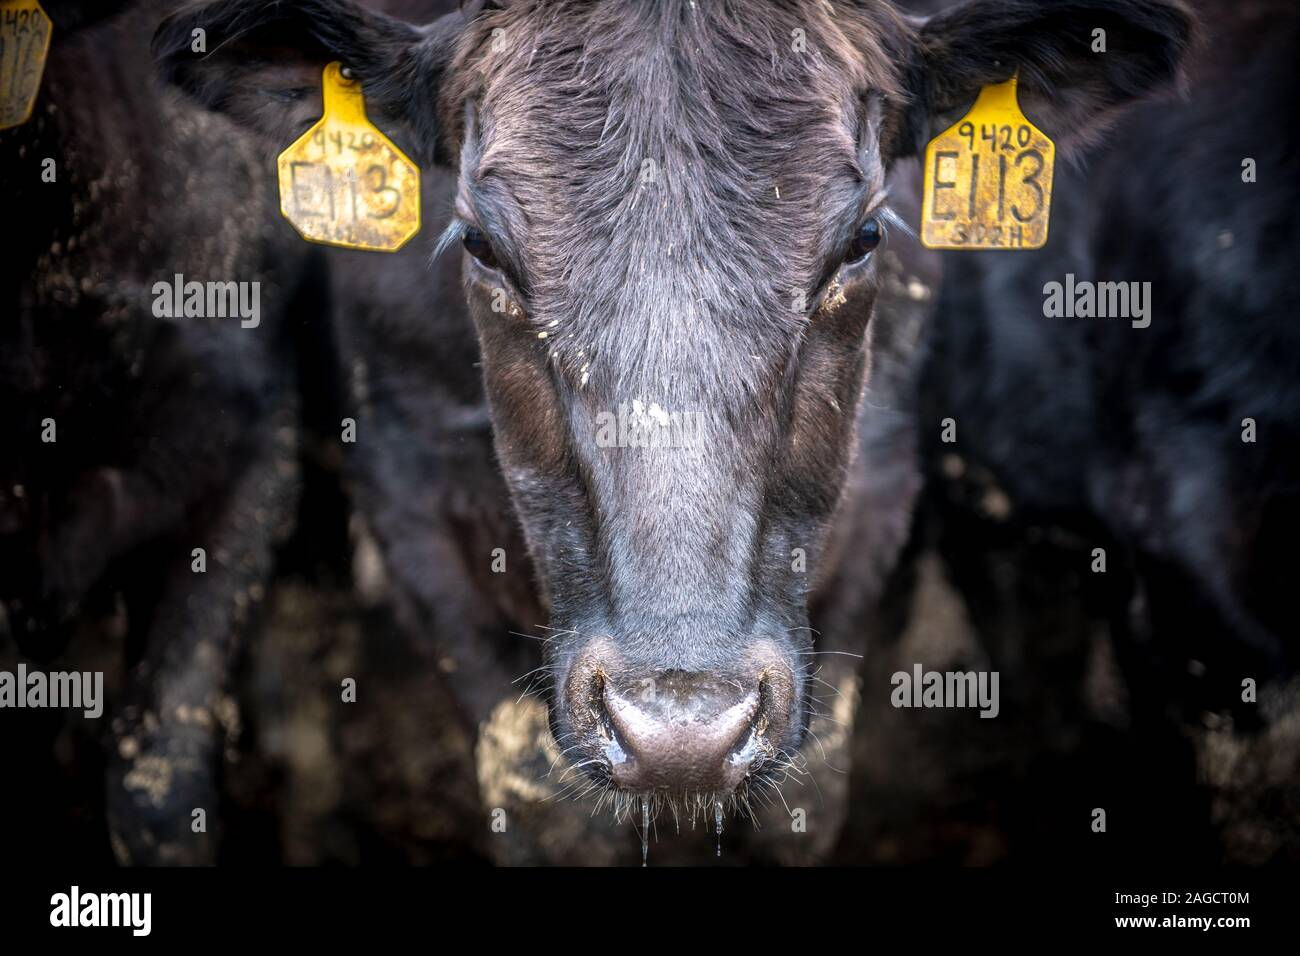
column 136, row 434
column 1138, row 433
column 677, row 210
column 1080, row 433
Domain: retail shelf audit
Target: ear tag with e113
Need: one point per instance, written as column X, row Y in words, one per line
column 344, row 183
column 988, row 178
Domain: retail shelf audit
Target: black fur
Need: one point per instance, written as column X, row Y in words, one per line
column 1139, row 431
column 172, row 434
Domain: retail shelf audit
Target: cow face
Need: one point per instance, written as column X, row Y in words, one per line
column 670, row 215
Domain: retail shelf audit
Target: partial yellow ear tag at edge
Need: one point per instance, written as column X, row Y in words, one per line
column 988, row 178
column 24, row 45
column 343, row 182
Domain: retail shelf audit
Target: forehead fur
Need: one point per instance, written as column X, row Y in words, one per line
column 672, row 171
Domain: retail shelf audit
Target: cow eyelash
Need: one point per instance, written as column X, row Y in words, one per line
column 474, row 239
column 454, row 233
column 892, row 220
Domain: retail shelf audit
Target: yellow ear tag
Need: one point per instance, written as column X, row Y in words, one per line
column 343, row 182
column 988, row 178
column 24, row 44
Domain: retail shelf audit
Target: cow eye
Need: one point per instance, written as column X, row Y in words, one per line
column 476, row 245
column 865, row 241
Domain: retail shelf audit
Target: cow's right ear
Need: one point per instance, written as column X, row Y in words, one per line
column 261, row 63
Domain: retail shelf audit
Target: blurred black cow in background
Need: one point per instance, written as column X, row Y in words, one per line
column 1073, row 434
column 151, row 457
column 1144, row 428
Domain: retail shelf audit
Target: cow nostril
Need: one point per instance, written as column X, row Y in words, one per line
column 685, row 731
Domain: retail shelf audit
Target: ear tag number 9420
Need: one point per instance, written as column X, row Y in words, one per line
column 988, row 178
column 343, row 182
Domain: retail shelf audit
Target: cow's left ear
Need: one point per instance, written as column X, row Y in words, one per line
column 1078, row 60
column 261, row 63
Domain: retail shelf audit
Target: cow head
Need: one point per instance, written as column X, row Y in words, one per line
column 670, row 215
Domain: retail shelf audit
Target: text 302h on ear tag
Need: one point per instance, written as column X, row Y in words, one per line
column 343, row 182
column 988, row 178
column 24, row 45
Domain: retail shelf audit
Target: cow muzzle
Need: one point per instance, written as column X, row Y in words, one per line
column 679, row 730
